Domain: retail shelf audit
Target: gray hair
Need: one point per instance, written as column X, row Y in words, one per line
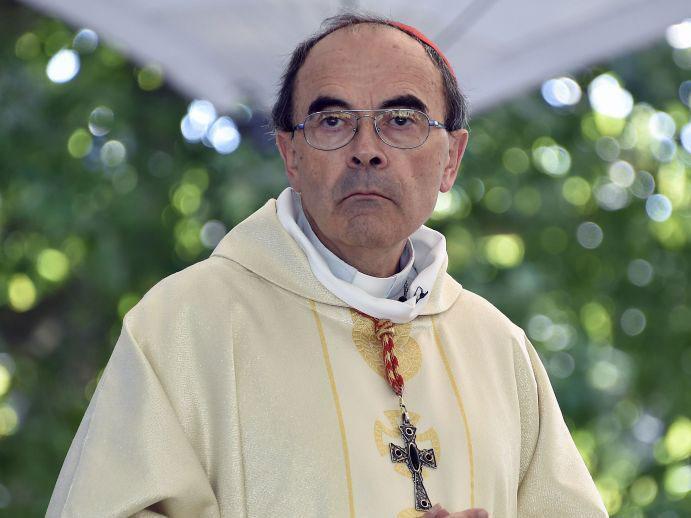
column 282, row 113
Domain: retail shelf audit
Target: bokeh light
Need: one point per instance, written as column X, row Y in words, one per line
column 678, row 481
column 685, row 92
column 633, row 321
column 28, row 46
column 113, row 153
column 9, row 420
column 685, row 137
column 679, row 35
column 640, row 272
column 661, row 125
column 611, row 196
column 516, row 160
column 643, row 491
column 224, row 135
column 448, row 203
column 678, row 439
column 608, row 97
column 504, row 250
column 63, row 66
column 201, row 124
column 658, row 207
column 596, row 321
column 212, row 232
column 498, row 199
column 561, row 92
column 150, row 77
column 551, row 158
column 21, row 292
column 52, row 265
column 200, row 115
column 576, row 190
column 561, row 365
column 85, row 41
column 80, row 143
column 648, row 428
column 101, row 121
column 621, row 173
column 5, row 380
column 589, row 235
column 643, row 185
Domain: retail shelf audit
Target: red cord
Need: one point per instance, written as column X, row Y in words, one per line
column 384, row 331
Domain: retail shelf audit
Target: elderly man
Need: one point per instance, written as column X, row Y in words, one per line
column 322, row 362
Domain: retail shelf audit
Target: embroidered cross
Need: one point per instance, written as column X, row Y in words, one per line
column 415, row 459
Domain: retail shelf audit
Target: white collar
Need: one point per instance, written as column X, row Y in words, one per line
column 379, row 287
column 427, row 255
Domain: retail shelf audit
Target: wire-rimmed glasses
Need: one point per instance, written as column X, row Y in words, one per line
column 402, row 128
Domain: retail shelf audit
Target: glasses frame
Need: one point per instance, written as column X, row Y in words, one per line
column 432, row 123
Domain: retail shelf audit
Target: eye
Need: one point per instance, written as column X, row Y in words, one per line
column 402, row 119
column 333, row 120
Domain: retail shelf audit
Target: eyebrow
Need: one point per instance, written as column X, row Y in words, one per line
column 324, row 101
column 405, row 101
column 401, row 101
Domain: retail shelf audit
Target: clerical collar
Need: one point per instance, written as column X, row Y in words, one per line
column 380, row 287
column 427, row 255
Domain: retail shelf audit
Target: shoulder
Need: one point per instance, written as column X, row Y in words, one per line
column 471, row 308
column 193, row 298
column 475, row 316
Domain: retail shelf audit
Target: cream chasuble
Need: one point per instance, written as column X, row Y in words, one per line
column 241, row 386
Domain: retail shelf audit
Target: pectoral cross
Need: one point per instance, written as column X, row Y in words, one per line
column 415, row 459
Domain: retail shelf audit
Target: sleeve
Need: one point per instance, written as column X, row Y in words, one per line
column 554, row 480
column 130, row 456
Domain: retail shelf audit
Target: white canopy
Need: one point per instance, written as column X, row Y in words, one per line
column 233, row 51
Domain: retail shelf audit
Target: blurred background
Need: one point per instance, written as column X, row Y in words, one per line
column 572, row 214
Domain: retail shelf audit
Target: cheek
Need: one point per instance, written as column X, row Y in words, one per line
column 424, row 185
column 316, row 188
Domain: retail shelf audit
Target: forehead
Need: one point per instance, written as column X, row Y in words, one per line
column 365, row 65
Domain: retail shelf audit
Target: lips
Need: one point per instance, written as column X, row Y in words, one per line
column 366, row 193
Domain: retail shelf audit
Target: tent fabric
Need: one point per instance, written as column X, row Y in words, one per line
column 232, row 52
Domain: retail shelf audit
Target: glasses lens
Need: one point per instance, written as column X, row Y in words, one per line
column 403, row 128
column 329, row 130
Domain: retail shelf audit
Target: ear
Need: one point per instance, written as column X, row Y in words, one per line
column 285, row 144
column 458, row 140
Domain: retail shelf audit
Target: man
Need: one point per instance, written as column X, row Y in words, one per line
column 322, row 362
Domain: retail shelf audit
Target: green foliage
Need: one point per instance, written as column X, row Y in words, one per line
column 89, row 223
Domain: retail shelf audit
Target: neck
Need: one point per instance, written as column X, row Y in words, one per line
column 376, row 262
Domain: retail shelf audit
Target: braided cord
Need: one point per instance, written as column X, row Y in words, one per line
column 384, row 331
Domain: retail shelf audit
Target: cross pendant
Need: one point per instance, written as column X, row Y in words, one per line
column 415, row 459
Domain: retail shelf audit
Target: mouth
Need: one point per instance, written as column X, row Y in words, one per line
column 366, row 195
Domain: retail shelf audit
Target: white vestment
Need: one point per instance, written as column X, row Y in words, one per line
column 241, row 386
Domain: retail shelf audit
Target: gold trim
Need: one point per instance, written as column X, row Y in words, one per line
column 459, row 400
column 368, row 345
column 337, row 404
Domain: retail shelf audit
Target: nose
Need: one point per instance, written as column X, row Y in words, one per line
column 366, row 148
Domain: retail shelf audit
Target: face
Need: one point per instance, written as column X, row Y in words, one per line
column 368, row 194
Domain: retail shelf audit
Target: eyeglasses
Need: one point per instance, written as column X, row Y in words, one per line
column 401, row 128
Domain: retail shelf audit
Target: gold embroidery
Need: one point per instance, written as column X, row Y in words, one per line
column 337, row 404
column 394, row 417
column 407, row 349
column 461, row 407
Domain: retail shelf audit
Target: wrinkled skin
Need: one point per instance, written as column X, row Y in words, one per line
column 366, row 198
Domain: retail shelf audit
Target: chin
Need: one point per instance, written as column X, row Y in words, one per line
column 373, row 233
